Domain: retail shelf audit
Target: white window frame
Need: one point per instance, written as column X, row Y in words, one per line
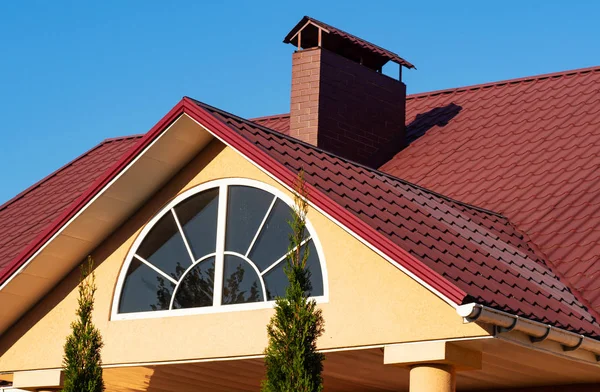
column 217, row 307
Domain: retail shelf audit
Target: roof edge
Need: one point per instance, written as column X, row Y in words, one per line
column 433, row 281
column 374, row 171
column 295, row 29
column 417, row 269
column 63, row 167
column 271, row 117
column 49, row 176
column 391, row 56
column 119, row 138
column 54, row 227
column 504, row 82
column 479, row 86
column 536, row 330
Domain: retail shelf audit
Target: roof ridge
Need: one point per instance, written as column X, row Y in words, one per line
column 271, row 117
column 374, row 171
column 119, row 138
column 584, row 322
column 440, row 195
column 37, row 184
column 347, row 33
column 473, row 87
column 504, row 82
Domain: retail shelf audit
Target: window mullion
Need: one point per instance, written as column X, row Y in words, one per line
column 285, row 256
column 262, row 224
column 183, row 236
column 220, row 247
column 155, row 268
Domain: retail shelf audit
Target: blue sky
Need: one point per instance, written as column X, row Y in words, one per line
column 73, row 73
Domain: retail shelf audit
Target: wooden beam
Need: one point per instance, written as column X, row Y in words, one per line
column 298, row 33
column 299, row 30
column 320, row 36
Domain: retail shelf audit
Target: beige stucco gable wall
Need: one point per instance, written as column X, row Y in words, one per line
column 371, row 301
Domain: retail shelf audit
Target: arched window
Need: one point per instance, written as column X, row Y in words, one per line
column 216, row 247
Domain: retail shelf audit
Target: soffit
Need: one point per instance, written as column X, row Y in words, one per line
column 505, row 365
column 122, row 196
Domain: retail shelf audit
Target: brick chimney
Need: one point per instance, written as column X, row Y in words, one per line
column 341, row 101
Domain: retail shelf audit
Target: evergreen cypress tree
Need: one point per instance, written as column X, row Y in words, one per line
column 292, row 361
column 82, row 363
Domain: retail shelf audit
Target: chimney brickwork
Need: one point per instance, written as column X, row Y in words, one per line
column 344, row 107
column 304, row 108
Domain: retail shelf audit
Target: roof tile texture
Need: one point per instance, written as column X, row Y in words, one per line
column 522, row 154
column 529, row 149
column 29, row 213
column 479, row 251
column 279, row 122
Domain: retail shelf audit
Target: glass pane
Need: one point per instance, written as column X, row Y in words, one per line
column 273, row 241
column 246, row 209
column 276, row 280
column 198, row 218
column 314, row 266
column 196, row 287
column 164, row 248
column 240, row 282
column 144, row 290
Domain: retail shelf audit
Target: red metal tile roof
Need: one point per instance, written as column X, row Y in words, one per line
column 258, row 156
column 29, row 213
column 280, row 122
column 477, row 250
column 353, row 40
column 527, row 148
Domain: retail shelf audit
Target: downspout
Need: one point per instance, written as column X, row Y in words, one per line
column 537, row 332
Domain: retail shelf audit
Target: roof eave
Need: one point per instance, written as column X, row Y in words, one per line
column 380, row 244
column 537, row 332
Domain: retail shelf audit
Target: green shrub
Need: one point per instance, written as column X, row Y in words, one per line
column 82, row 362
column 292, row 361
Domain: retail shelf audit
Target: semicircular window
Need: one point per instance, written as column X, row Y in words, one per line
column 222, row 246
